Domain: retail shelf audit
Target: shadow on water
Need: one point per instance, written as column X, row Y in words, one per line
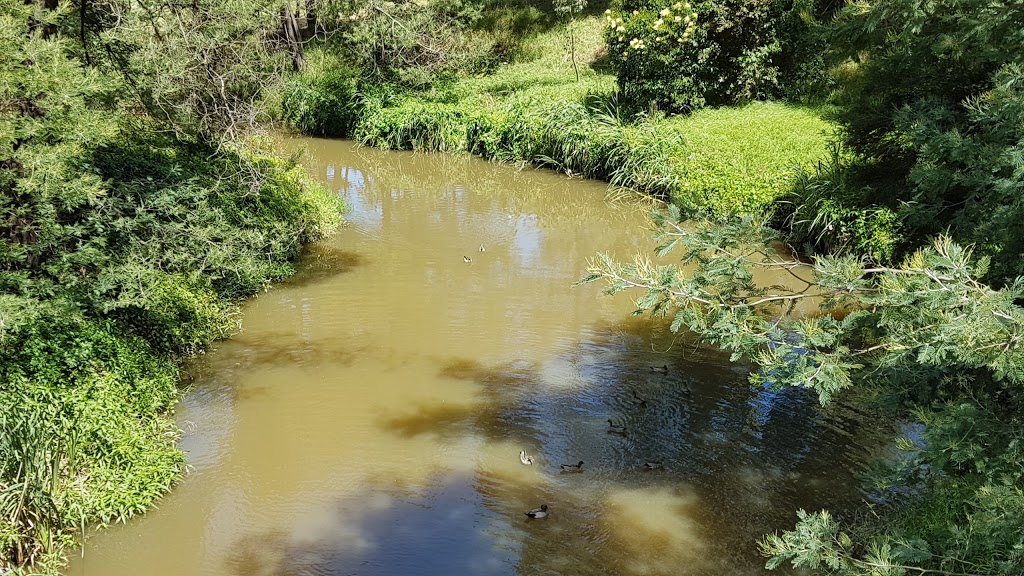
column 475, row 525
column 734, row 462
column 322, row 262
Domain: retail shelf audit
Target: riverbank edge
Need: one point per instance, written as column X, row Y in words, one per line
column 111, row 471
column 721, row 162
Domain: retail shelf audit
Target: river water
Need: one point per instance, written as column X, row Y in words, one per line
column 368, row 417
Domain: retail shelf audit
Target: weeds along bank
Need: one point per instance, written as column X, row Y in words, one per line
column 718, row 161
column 98, row 308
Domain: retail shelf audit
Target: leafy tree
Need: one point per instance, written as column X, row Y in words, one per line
column 931, row 105
column 409, row 42
column 939, row 345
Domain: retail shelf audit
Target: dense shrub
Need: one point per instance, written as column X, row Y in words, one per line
column 95, row 306
column 84, row 436
column 825, row 212
column 685, row 55
column 319, row 99
column 931, row 109
column 411, row 42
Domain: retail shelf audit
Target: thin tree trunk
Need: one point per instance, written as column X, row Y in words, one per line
column 572, row 51
column 292, row 37
column 311, row 21
column 82, row 4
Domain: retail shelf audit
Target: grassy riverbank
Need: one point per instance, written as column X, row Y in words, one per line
column 110, row 296
column 717, row 161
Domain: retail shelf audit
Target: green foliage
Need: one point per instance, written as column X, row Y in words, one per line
column 824, row 212
column 122, row 247
column 200, row 71
column 931, row 108
column 971, row 534
column 939, row 345
column 321, row 98
column 410, row 42
column 84, row 438
column 683, row 56
column 414, row 125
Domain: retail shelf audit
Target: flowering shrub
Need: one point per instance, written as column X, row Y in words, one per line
column 681, row 56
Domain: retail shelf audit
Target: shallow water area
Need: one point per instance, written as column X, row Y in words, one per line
column 369, row 416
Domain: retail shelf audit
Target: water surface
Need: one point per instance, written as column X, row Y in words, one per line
column 368, row 418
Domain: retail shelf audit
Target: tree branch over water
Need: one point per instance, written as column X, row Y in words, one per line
column 854, row 320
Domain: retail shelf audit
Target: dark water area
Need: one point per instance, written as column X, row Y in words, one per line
column 369, row 416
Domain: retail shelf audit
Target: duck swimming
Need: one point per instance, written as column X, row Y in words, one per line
column 541, row 512
column 654, row 465
column 640, row 399
column 573, row 467
column 614, row 428
column 482, row 248
column 525, row 458
column 467, row 259
column 663, row 369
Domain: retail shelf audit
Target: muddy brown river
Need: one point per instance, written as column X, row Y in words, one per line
column 368, row 418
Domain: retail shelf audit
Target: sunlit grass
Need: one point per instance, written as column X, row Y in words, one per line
column 735, row 160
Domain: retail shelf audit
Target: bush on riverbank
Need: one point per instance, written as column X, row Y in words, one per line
column 132, row 221
column 718, row 161
column 122, row 248
column 683, row 56
column 93, row 322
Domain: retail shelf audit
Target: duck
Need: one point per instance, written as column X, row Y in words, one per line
column 482, row 249
column 654, row 465
column 467, row 259
column 525, row 458
column 573, row 467
column 663, row 369
column 614, row 428
column 541, row 512
column 640, row 399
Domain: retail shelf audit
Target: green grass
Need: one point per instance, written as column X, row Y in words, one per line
column 737, row 160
